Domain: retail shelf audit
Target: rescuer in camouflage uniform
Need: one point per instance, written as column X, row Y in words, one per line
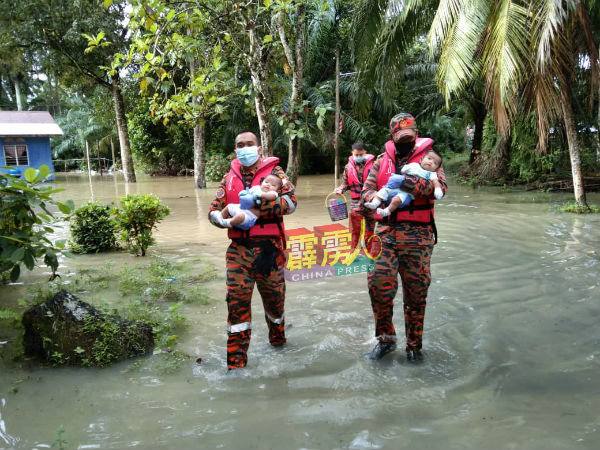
column 407, row 236
column 256, row 255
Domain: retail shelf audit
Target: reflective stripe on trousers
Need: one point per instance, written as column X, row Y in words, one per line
column 239, row 327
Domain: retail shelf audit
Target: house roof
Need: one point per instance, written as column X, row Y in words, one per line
column 28, row 123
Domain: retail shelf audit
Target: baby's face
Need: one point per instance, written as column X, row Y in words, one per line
column 431, row 162
column 270, row 184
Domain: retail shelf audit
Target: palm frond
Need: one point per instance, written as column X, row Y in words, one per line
column 506, row 58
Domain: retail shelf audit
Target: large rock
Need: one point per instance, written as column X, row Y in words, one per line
column 66, row 330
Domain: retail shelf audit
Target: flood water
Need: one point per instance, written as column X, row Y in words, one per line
column 511, row 343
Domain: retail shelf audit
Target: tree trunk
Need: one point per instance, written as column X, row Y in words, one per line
column 18, row 96
column 501, row 158
column 200, row 155
column 199, row 141
column 87, row 159
column 112, row 151
column 295, row 60
column 496, row 167
column 261, row 103
column 336, row 158
column 126, row 158
column 479, row 113
column 259, row 70
column 293, row 168
column 598, row 131
column 573, row 142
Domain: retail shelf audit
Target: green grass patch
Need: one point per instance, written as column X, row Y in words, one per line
column 573, row 207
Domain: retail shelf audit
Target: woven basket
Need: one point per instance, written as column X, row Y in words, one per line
column 337, row 210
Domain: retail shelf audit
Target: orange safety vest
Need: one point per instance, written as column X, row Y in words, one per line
column 420, row 209
column 354, row 184
column 235, row 185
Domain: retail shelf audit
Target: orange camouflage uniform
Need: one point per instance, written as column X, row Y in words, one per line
column 406, row 250
column 241, row 275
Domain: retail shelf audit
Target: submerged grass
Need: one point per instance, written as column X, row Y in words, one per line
column 573, row 207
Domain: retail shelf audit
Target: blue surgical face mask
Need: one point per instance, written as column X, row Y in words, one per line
column 247, row 155
column 359, row 159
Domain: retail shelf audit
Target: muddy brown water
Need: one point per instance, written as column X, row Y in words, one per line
column 512, row 343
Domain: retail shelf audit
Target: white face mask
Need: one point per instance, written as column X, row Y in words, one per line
column 359, row 159
column 247, row 155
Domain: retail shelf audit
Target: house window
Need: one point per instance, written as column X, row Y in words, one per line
column 16, row 155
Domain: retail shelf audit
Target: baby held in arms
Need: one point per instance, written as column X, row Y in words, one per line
column 244, row 219
column 426, row 168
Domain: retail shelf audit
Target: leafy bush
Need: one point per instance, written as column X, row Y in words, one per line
column 25, row 220
column 446, row 134
column 136, row 217
column 157, row 148
column 92, row 229
column 217, row 166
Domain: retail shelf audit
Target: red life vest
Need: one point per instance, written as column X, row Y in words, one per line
column 420, row 209
column 354, row 184
column 235, row 185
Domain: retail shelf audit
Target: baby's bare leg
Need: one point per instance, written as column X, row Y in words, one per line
column 237, row 219
column 396, row 201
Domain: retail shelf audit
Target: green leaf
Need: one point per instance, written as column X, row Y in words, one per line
column 17, row 255
column 15, row 272
column 44, row 171
column 268, row 38
column 30, row 174
column 63, row 208
column 107, row 3
column 29, row 261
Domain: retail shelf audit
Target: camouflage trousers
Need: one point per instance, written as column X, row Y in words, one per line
column 412, row 263
column 241, row 278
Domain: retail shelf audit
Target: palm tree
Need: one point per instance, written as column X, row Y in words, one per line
column 79, row 125
column 528, row 50
column 523, row 50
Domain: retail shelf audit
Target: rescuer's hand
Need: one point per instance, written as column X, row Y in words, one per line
column 246, row 199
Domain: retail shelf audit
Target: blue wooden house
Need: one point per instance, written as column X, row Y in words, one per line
column 25, row 140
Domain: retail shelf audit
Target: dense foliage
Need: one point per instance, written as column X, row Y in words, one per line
column 192, row 74
column 25, row 222
column 217, row 166
column 136, row 217
column 92, row 229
